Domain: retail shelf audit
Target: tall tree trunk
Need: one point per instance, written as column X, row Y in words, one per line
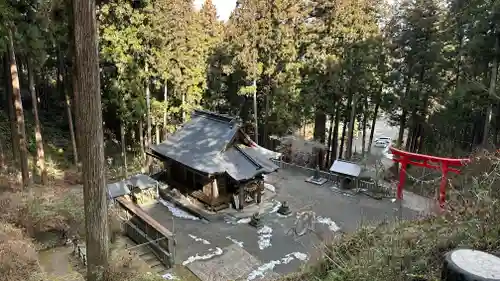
column 2, row 156
column 60, row 73
column 19, row 113
column 364, row 125
column 141, row 139
column 124, row 149
column 147, row 166
column 320, row 133
column 402, row 118
column 402, row 125
column 335, row 135
column 256, row 116
column 157, row 133
column 14, row 137
column 330, row 135
column 412, row 131
column 493, row 83
column 320, row 126
column 165, row 111
column 497, row 124
column 64, row 91
column 69, row 82
column 350, row 131
column 423, row 120
column 183, row 107
column 40, row 152
column 71, row 128
column 304, row 128
column 374, row 120
column 265, row 135
column 342, row 138
column 90, row 137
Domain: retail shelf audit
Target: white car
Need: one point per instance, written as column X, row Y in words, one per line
column 382, row 142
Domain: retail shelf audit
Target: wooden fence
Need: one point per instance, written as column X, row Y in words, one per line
column 142, row 229
column 362, row 184
column 81, row 253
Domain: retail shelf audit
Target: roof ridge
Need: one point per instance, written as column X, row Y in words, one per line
column 216, row 116
column 250, row 158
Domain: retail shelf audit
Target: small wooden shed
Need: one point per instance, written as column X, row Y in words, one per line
column 346, row 174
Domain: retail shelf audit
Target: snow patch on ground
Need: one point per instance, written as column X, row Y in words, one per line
column 176, row 212
column 169, row 276
column 197, row 239
column 243, row 220
column 276, row 207
column 261, row 270
column 239, row 243
column 270, row 187
column 240, row 221
column 328, row 221
column 217, row 252
column 265, row 234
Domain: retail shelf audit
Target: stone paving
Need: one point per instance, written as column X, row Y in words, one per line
column 199, row 241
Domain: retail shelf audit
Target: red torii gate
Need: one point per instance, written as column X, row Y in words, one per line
column 444, row 164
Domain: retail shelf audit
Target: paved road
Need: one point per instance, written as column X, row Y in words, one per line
column 201, row 238
column 382, row 129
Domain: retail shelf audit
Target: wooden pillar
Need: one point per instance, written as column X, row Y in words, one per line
column 168, row 167
column 215, row 189
column 207, row 188
column 402, row 177
column 171, row 249
column 259, row 191
column 444, row 182
column 241, row 197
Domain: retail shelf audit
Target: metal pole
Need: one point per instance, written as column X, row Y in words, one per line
column 255, row 111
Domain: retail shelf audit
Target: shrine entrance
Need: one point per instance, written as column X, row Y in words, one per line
column 445, row 165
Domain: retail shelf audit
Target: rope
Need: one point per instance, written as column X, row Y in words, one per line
column 420, row 181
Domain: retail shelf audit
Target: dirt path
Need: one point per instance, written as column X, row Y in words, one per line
column 57, row 264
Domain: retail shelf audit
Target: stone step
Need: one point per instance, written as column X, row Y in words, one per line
column 149, row 258
column 158, row 268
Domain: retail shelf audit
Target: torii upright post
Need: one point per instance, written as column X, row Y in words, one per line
column 404, row 158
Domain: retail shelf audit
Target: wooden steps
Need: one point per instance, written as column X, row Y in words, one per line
column 217, row 204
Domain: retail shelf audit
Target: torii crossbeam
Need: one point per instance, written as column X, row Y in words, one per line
column 432, row 162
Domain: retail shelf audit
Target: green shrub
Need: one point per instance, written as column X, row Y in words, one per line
column 405, row 250
column 18, row 257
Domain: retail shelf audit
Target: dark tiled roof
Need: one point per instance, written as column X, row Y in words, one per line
column 205, row 143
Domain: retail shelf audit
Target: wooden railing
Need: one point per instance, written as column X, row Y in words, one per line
column 324, row 174
column 81, row 253
column 142, row 229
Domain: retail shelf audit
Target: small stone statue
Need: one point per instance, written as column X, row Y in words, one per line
column 284, row 209
column 256, row 221
column 316, row 173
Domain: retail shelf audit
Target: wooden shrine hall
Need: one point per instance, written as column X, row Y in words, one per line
column 211, row 159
